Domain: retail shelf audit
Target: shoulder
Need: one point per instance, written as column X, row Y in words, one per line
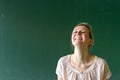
column 104, row 67
column 64, row 59
column 100, row 61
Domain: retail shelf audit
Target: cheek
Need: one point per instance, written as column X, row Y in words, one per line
column 86, row 36
column 72, row 39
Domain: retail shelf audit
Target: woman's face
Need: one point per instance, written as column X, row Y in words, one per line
column 80, row 36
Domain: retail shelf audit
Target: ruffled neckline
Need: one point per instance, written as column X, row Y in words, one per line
column 84, row 71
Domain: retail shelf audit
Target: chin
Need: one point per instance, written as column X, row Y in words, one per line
column 76, row 44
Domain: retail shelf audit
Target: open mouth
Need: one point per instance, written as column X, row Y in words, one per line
column 78, row 39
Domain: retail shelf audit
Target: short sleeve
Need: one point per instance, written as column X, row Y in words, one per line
column 107, row 71
column 59, row 68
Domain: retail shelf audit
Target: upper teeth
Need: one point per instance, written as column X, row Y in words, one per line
column 77, row 39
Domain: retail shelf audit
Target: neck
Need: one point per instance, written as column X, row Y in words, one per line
column 81, row 54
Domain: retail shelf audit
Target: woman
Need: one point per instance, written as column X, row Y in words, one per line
column 82, row 65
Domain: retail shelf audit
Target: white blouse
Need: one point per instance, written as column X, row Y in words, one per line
column 99, row 70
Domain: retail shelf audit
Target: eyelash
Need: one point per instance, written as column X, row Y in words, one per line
column 80, row 32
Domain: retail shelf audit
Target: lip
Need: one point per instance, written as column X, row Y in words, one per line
column 78, row 38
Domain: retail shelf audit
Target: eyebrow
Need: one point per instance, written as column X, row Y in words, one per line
column 81, row 29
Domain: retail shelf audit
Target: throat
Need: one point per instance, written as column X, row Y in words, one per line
column 82, row 63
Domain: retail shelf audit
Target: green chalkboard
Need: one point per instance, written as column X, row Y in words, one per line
column 34, row 34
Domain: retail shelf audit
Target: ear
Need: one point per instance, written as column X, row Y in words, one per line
column 91, row 42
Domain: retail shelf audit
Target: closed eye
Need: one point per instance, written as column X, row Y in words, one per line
column 83, row 32
column 75, row 32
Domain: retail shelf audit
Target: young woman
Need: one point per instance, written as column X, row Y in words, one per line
column 81, row 64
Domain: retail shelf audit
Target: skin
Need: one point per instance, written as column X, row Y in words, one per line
column 81, row 59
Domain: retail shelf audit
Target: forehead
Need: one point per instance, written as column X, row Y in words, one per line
column 81, row 28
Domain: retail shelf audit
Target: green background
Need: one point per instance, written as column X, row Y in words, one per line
column 34, row 34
